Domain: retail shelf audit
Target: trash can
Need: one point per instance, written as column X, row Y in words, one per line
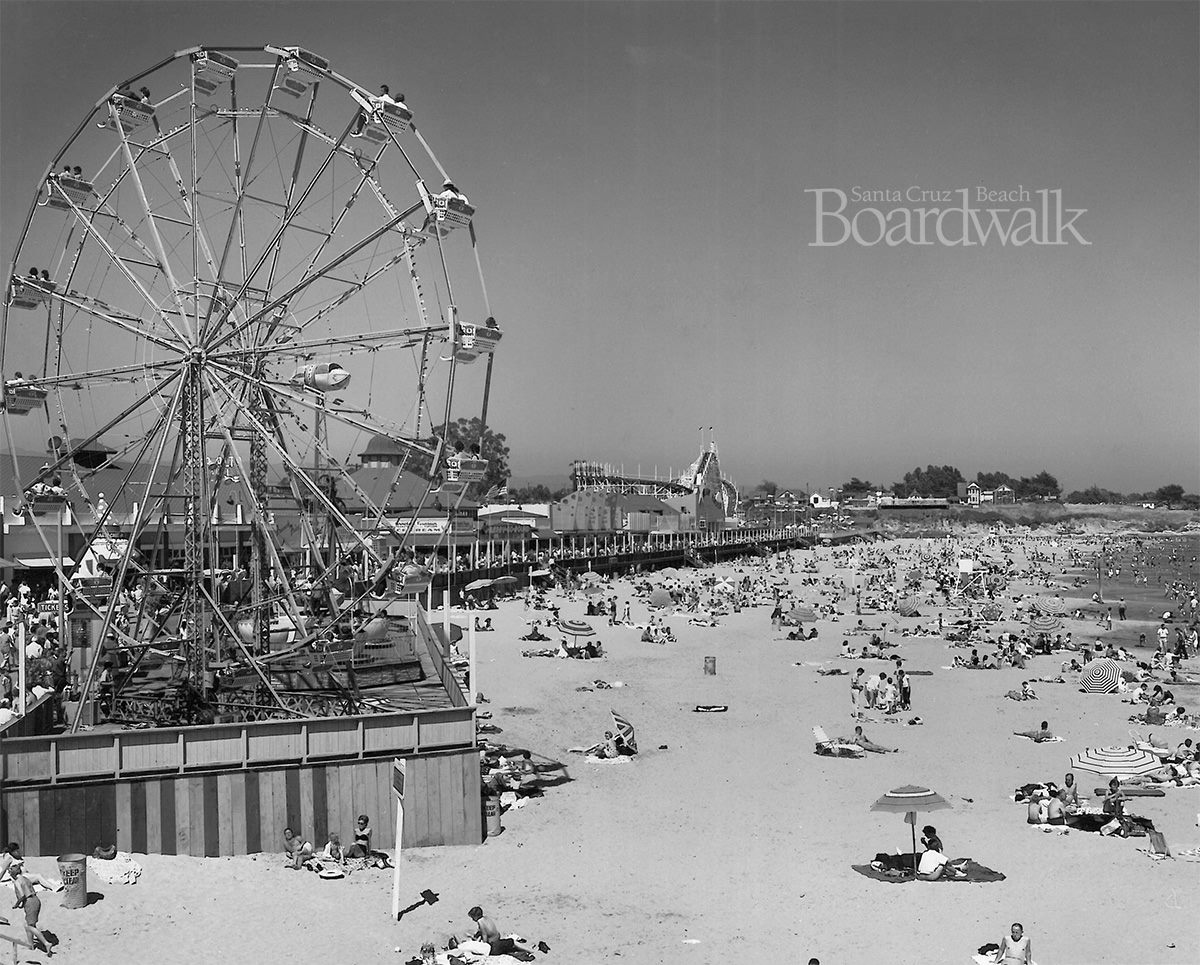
column 491, row 811
column 72, row 868
column 710, row 666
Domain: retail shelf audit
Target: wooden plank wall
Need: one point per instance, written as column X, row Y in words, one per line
column 38, row 719
column 246, row 811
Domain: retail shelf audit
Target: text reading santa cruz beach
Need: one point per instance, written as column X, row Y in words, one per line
column 958, row 217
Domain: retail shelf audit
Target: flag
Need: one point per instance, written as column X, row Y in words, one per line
column 491, row 494
column 502, row 492
column 624, row 731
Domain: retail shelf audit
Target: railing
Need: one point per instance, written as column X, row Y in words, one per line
column 38, row 719
column 444, row 671
column 50, row 760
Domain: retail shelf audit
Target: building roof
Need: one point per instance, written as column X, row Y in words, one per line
column 381, row 445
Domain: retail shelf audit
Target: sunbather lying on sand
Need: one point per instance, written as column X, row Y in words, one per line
column 1043, row 733
column 867, row 744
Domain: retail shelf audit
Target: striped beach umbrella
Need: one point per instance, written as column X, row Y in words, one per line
column 802, row 614
column 576, row 628
column 991, row 611
column 624, row 730
column 589, row 576
column 1100, row 677
column 1116, row 761
column 1044, row 623
column 477, row 585
column 1053, row 606
column 908, row 800
column 915, row 576
column 908, row 606
column 660, row 598
column 592, row 589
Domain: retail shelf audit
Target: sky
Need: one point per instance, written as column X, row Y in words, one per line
column 644, row 175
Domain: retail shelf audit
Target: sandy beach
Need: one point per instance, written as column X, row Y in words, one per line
column 726, row 838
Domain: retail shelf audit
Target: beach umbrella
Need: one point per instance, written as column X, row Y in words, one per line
column 908, row 607
column 1116, row 761
column 589, row 577
column 576, row 628
column 536, row 573
column 1053, row 606
column 723, row 586
column 624, row 730
column 659, row 598
column 477, row 585
column 802, row 614
column 669, row 572
column 991, row 611
column 503, row 580
column 591, row 589
column 1100, row 677
column 1044, row 623
column 908, row 800
column 915, row 576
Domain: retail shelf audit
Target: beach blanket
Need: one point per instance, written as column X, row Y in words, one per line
column 975, row 873
column 121, row 870
column 1040, row 740
column 988, row 960
column 1133, row 790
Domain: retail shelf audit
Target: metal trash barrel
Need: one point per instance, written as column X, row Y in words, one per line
column 491, row 811
column 72, row 868
column 710, row 666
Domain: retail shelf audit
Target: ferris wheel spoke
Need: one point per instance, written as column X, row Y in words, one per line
column 298, row 473
column 99, row 375
column 89, row 440
column 151, row 221
column 260, row 519
column 122, row 266
column 307, row 281
column 353, row 421
column 125, row 321
column 392, row 338
column 272, row 246
column 127, row 555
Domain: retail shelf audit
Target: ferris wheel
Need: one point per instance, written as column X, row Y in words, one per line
column 241, row 265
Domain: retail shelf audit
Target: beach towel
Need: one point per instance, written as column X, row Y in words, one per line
column 1041, row 740
column 1134, row 790
column 592, row 758
column 710, row 708
column 121, row 870
column 988, row 960
column 975, row 873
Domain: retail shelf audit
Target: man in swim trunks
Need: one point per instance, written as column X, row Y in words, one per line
column 487, row 932
column 1041, row 734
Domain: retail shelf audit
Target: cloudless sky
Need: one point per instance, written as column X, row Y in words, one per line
column 640, row 172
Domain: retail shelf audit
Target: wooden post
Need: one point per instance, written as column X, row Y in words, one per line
column 21, row 697
column 473, row 687
column 398, row 774
column 446, row 625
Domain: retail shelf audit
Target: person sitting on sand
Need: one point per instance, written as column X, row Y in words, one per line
column 933, row 865
column 333, row 850
column 1056, row 812
column 1036, row 810
column 1015, row 948
column 1043, row 733
column 487, row 932
column 867, row 744
column 297, row 849
column 1069, row 792
column 930, row 839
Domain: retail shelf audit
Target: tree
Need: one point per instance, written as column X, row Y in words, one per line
column 1169, row 494
column 994, row 480
column 1191, row 501
column 493, row 448
column 768, row 487
column 857, row 486
column 1094, row 496
column 931, row 481
column 1041, row 486
column 535, row 494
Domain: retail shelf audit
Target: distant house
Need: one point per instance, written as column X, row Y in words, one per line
column 974, row 494
column 1004, row 494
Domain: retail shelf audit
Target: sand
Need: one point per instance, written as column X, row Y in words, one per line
column 734, row 843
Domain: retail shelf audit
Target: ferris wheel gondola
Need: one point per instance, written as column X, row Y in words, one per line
column 218, row 263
